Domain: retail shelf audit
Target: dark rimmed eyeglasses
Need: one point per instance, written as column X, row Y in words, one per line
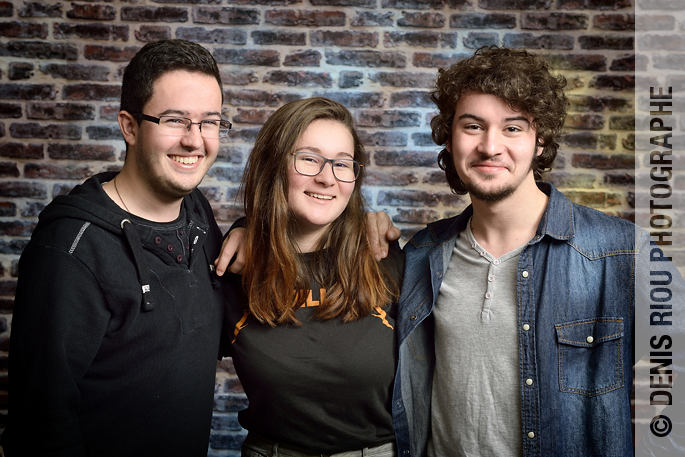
column 179, row 126
column 310, row 164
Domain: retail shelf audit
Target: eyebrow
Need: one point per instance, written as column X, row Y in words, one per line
column 318, row 151
column 480, row 119
column 185, row 113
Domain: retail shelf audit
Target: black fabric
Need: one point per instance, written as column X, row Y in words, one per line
column 92, row 370
column 325, row 386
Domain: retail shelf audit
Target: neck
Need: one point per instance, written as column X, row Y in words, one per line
column 134, row 197
column 503, row 226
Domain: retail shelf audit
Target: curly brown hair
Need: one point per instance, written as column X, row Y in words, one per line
column 521, row 79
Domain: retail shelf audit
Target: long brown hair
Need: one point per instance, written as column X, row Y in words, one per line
column 276, row 279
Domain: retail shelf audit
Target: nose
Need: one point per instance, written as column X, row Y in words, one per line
column 193, row 137
column 491, row 143
column 326, row 177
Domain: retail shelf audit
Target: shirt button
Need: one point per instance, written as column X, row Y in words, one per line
column 491, row 278
column 413, row 317
column 526, row 327
column 529, row 382
column 488, row 295
column 180, row 231
column 531, row 435
column 496, row 262
column 440, row 274
column 169, row 247
column 524, row 274
column 179, row 258
column 482, row 254
column 158, row 240
column 589, row 339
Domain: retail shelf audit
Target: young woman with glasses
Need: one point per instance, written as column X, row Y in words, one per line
column 311, row 321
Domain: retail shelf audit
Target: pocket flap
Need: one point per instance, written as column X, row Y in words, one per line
column 589, row 332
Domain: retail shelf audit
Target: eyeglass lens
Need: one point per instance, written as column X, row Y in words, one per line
column 179, row 126
column 309, row 164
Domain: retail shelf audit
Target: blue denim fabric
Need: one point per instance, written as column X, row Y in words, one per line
column 579, row 283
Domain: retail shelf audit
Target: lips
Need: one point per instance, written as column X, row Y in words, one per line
column 319, row 196
column 185, row 160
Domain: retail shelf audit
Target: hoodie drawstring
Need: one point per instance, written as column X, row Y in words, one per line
column 137, row 250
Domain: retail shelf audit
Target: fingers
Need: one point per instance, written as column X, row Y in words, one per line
column 232, row 256
column 380, row 231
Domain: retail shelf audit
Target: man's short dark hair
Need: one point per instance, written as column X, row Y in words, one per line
column 519, row 78
column 156, row 59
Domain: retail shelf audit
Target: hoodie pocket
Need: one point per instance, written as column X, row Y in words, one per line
column 590, row 355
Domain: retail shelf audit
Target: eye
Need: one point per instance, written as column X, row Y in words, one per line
column 472, row 127
column 308, row 158
column 345, row 164
column 211, row 122
column 513, row 129
column 174, row 121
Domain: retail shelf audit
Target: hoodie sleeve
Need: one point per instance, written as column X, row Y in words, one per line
column 60, row 317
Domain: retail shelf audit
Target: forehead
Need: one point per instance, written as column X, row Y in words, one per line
column 480, row 104
column 184, row 90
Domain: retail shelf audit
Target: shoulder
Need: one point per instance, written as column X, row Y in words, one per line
column 599, row 233
column 440, row 231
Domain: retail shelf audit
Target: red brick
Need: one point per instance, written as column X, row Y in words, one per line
column 619, row 179
column 21, row 150
column 222, row 35
column 613, row 82
column 8, row 209
column 40, row 9
column 530, row 41
column 594, row 4
column 252, row 116
column 603, row 161
column 305, row 18
column 554, row 21
column 264, row 2
column 514, row 4
column 367, row 58
column 55, row 171
column 382, row 138
column 231, row 154
column 6, row 9
column 359, row 3
column 109, row 112
column 73, row 71
column 104, row 132
column 10, row 110
column 354, row 99
column 380, row 177
column 599, row 103
column 20, row 70
column 305, row 58
column 39, row 50
column 585, row 121
column 343, row 38
column 424, row 39
column 22, row 189
column 475, row 40
column 52, row 131
column 408, row 197
column 14, row 228
column 589, row 140
column 17, row 29
column 609, row 21
column 622, row 122
column 584, row 62
column 421, row 19
column 151, row 33
column 233, row 174
column 593, row 42
column 415, row 216
column 623, row 63
column 9, row 169
column 92, row 31
column 60, row 111
column 594, row 199
column 392, row 119
column 435, row 177
column 110, row 53
column 565, row 179
column 403, row 79
column 299, row 78
column 262, row 58
column 85, row 152
column 422, row 139
column 153, row 14
column 251, row 97
column 413, row 4
column 372, row 19
column 279, row 37
column 91, row 92
column 406, row 158
column 92, row 12
column 436, row 59
column 482, row 21
column 223, row 15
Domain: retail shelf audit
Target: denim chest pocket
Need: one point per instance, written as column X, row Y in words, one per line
column 590, row 355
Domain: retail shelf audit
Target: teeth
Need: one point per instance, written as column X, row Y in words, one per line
column 185, row 160
column 319, row 196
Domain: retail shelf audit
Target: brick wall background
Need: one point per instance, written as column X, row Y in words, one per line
column 61, row 64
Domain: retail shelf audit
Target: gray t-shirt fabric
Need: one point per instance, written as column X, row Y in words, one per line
column 475, row 405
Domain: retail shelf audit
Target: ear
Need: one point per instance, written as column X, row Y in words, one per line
column 538, row 149
column 128, row 126
column 448, row 146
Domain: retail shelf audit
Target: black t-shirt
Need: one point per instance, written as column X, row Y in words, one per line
column 325, row 386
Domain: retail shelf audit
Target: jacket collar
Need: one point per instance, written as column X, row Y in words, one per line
column 557, row 221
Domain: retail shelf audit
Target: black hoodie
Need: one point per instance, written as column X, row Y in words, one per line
column 115, row 331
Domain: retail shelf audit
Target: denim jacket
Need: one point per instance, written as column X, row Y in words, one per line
column 575, row 328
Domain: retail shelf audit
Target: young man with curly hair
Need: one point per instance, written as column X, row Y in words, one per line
column 516, row 318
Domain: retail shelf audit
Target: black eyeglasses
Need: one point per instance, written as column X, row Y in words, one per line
column 179, row 126
column 310, row 164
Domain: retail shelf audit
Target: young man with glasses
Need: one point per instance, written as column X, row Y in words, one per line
column 118, row 313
